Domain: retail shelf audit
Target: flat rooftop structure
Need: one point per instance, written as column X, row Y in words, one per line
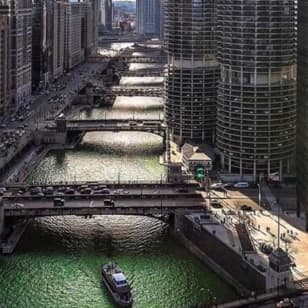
column 138, row 102
column 149, row 54
column 141, row 81
column 145, row 66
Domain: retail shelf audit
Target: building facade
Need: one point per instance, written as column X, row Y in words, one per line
column 4, row 62
column 148, row 17
column 73, row 26
column 20, row 51
column 191, row 81
column 57, row 39
column 105, row 15
column 256, row 108
column 302, row 111
column 42, row 16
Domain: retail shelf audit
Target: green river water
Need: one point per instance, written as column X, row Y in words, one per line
column 57, row 263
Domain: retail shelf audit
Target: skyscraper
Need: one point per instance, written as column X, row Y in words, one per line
column 256, row 108
column 191, row 82
column 302, row 110
column 106, row 14
column 148, row 17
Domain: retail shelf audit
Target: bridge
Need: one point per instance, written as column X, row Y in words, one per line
column 154, row 200
column 129, row 59
column 118, row 125
column 138, row 91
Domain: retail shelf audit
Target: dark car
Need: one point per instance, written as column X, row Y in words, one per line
column 108, row 202
column 246, row 208
column 86, row 191
column 216, row 204
column 182, row 190
column 58, row 202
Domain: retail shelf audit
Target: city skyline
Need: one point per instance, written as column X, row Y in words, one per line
column 170, row 136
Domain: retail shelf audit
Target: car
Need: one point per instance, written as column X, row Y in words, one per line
column 48, row 190
column 82, row 187
column 58, row 202
column 86, row 191
column 182, row 190
column 241, row 185
column 69, row 191
column 216, row 204
column 217, row 186
column 35, row 190
column 106, row 191
column 18, row 205
column 98, row 192
column 108, row 202
column 227, row 185
column 246, row 208
column 119, row 191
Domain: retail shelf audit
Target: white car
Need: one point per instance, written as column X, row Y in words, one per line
column 18, row 205
column 216, row 186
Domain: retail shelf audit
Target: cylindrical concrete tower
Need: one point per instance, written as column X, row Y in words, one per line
column 256, row 108
column 192, row 73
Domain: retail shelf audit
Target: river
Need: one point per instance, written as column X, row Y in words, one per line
column 57, row 263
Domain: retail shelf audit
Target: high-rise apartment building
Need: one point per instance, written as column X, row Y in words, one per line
column 302, row 110
column 148, row 14
column 190, row 86
column 4, row 62
column 256, row 108
column 105, row 18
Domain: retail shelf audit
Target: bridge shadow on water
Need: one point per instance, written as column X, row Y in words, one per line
column 107, row 235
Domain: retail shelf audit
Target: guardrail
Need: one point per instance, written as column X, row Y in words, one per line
column 157, row 195
column 103, row 210
column 110, row 184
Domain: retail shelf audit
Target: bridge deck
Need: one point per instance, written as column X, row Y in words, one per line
column 127, row 206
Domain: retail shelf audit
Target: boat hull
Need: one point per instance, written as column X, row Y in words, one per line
column 120, row 302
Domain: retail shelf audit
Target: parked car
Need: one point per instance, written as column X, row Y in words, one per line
column 241, row 185
column 246, row 208
column 216, row 204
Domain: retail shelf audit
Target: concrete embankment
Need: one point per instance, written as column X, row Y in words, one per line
column 215, row 267
column 225, row 260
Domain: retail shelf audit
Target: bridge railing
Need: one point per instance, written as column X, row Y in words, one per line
column 111, row 183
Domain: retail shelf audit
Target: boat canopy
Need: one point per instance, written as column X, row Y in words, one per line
column 119, row 278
